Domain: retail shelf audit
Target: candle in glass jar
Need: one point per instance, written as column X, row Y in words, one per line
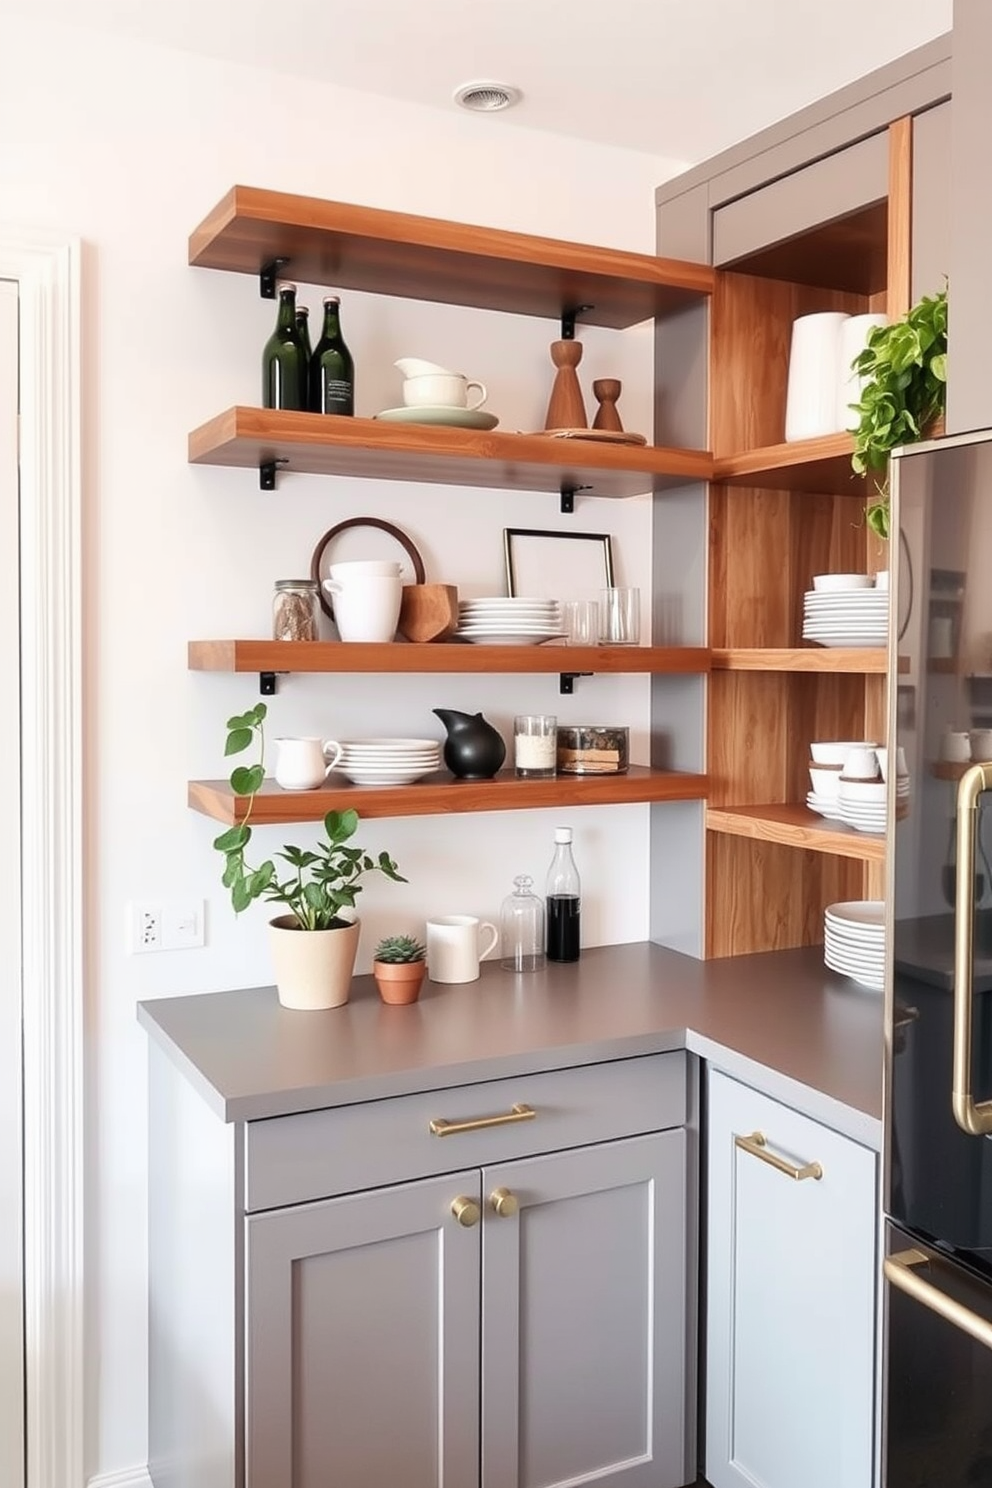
column 535, row 737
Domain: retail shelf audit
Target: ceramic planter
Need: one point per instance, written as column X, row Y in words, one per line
column 313, row 968
column 399, row 981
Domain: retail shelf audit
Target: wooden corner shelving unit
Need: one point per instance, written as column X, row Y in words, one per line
column 780, row 513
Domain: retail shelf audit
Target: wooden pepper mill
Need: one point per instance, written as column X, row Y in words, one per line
column 607, row 391
column 566, row 410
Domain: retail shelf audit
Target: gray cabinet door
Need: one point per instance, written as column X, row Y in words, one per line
column 584, row 1318
column 362, row 1341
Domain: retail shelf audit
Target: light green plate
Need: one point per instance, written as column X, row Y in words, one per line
column 458, row 418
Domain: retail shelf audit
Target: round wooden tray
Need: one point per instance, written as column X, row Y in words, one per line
column 603, row 436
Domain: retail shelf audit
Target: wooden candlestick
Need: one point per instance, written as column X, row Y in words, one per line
column 566, row 410
column 607, row 391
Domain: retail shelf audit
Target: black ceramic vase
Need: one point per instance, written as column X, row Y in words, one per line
column 473, row 750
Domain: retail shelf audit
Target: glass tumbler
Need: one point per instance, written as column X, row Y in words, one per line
column 521, row 926
column 620, row 617
column 580, row 621
column 535, row 746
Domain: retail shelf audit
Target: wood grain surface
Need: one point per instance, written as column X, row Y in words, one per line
column 454, row 656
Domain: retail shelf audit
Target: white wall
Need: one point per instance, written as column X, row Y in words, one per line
column 130, row 147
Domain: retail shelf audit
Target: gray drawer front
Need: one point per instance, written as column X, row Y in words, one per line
column 293, row 1159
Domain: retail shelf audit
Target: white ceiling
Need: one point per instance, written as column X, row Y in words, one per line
column 675, row 78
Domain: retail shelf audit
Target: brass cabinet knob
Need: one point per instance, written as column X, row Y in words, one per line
column 504, row 1202
column 466, row 1211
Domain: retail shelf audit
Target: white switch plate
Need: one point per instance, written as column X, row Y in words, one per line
column 164, row 925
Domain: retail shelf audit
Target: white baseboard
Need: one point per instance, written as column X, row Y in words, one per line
column 134, row 1477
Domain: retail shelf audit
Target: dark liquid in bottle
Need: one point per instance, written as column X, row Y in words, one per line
column 563, row 927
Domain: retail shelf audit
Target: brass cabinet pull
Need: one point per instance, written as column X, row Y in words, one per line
column 900, row 1269
column 757, row 1145
column 504, row 1202
column 466, row 1211
column 973, row 1117
column 519, row 1112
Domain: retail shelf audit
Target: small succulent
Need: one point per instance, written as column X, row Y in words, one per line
column 398, row 949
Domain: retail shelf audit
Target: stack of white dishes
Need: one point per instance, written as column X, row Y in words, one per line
column 846, row 610
column 854, row 940
column 861, row 803
column 388, row 761
column 508, row 622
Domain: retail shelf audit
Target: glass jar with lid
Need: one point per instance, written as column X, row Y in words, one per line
column 295, row 610
column 521, row 925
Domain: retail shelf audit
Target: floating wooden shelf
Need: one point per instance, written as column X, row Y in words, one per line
column 425, row 258
column 948, row 769
column 326, row 444
column 440, row 794
column 799, row 659
column 816, row 466
column 335, row 656
column 945, row 665
column 795, row 826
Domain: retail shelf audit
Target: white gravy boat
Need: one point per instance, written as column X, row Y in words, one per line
column 427, row 385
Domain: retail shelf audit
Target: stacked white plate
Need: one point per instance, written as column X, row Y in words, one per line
column 846, row 617
column 869, row 816
column 388, row 761
column 854, row 940
column 508, row 622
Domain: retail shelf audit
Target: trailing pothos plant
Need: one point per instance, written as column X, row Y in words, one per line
column 904, row 389
column 323, row 880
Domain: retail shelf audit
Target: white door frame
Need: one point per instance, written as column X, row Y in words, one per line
column 47, row 271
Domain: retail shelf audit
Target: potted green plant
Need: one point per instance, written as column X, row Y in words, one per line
column 398, row 966
column 315, row 942
column 903, row 392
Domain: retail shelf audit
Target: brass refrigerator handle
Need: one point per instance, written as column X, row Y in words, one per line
column 900, row 1270
column 972, row 1117
column 519, row 1112
column 757, row 1145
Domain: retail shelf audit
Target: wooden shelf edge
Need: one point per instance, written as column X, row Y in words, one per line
column 795, row 826
column 443, row 795
column 815, row 466
column 397, row 657
column 869, row 660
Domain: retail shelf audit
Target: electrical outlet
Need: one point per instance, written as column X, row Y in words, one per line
column 144, row 927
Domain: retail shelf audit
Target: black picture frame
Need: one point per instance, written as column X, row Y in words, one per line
column 542, row 563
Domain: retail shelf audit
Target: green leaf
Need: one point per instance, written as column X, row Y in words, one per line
column 247, row 779
column 238, row 740
column 233, row 838
column 240, row 896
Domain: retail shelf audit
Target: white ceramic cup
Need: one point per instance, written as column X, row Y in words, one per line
column 304, row 764
column 861, row 763
column 367, row 607
column 442, row 390
column 814, row 369
column 955, row 746
column 981, row 744
column 453, row 953
column 365, row 568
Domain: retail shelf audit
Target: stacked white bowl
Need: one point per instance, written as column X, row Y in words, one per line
column 849, row 783
column 518, row 621
column 388, row 761
column 846, row 610
column 854, row 940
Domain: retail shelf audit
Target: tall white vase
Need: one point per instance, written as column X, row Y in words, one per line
column 853, row 340
column 313, row 968
column 814, row 363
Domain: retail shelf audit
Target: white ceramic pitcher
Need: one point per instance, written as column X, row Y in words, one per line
column 304, row 764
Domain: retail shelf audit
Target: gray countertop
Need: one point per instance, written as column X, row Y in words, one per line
column 780, row 1021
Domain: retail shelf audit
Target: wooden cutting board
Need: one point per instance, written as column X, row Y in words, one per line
column 428, row 612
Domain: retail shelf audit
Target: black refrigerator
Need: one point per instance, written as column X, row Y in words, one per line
column 937, row 1191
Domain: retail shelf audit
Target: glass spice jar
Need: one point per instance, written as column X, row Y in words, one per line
column 295, row 607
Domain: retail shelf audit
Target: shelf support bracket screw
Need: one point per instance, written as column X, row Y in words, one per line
column 267, row 684
column 267, row 474
column 267, row 276
column 568, row 494
column 566, row 682
column 568, row 319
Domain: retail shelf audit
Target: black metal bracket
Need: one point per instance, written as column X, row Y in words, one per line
column 566, row 682
column 568, row 318
column 568, row 495
column 267, row 684
column 267, row 473
column 267, row 276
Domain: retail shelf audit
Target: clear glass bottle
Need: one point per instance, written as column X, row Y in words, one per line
column 564, row 901
column 295, row 609
column 284, row 383
column 332, row 370
column 521, row 927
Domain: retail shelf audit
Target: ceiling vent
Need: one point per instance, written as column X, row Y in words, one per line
column 486, row 97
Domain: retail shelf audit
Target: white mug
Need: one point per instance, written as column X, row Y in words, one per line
column 367, row 607
column 955, row 746
column 453, row 953
column 304, row 764
column 442, row 390
column 981, row 743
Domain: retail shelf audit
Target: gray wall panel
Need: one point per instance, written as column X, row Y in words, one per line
column 969, row 387
column 931, row 199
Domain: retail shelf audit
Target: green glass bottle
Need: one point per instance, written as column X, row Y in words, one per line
column 332, row 371
column 303, row 326
column 284, row 381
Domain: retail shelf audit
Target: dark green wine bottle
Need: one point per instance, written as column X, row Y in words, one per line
column 284, row 380
column 332, row 371
column 303, row 326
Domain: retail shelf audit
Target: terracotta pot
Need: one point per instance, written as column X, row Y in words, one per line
column 399, row 981
column 313, row 968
